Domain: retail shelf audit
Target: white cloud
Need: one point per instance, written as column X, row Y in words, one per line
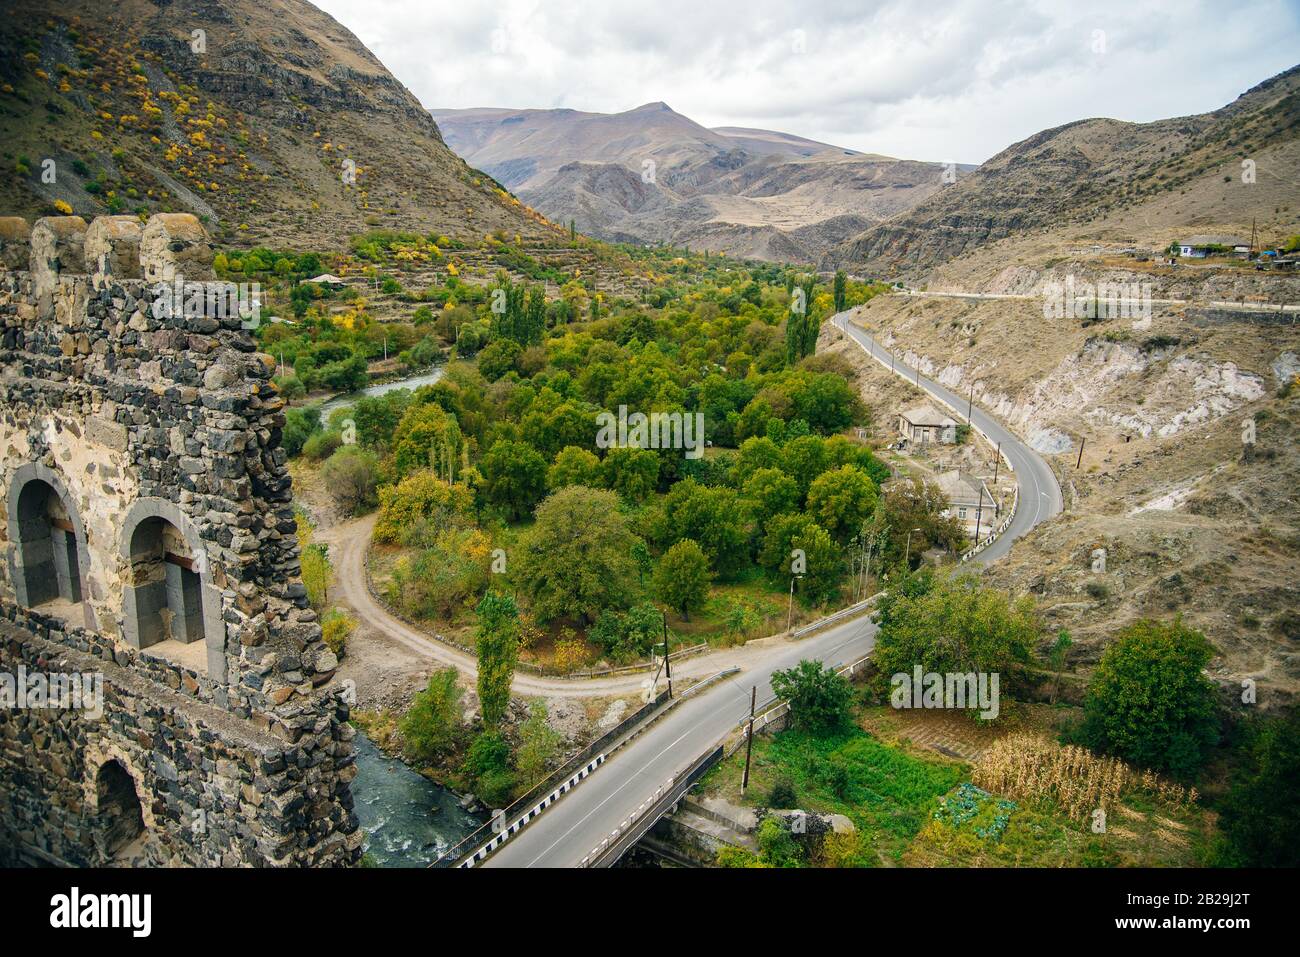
column 947, row 79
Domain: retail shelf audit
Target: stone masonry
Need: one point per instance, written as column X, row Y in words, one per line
column 150, row 538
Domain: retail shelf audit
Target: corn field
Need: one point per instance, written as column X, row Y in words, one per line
column 1026, row 766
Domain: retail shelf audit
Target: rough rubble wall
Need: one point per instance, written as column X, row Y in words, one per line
column 141, row 418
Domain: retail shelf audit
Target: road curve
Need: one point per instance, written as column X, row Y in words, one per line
column 349, row 544
column 1040, row 493
column 571, row 828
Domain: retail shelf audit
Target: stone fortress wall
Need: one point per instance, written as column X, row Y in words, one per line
column 149, row 537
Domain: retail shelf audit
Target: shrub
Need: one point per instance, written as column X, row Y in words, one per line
column 300, row 424
column 431, row 726
column 321, row 445
column 421, row 503
column 539, row 745
column 317, row 574
column 487, row 765
column 782, row 794
column 627, row 637
column 444, row 577
column 351, row 475
column 819, row 698
column 336, row 627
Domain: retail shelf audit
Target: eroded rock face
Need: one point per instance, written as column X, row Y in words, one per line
column 153, row 440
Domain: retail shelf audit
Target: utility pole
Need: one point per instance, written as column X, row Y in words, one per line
column 979, row 512
column 907, row 556
column 1082, row 440
column 668, row 665
column 997, row 461
column 749, row 737
column 789, row 614
column 970, row 404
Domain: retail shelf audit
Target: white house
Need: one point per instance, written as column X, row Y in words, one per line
column 925, row 423
column 1198, row 247
column 969, row 499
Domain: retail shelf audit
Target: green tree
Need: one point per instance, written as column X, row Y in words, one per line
column 1260, row 817
column 771, row 492
column 630, row 472
column 841, row 286
column 714, row 518
column 577, row 558
column 819, row 698
column 842, row 500
column 428, row 437
column 682, row 577
column 953, row 625
column 797, row 545
column 499, row 357
column 431, row 726
column 573, row 466
column 497, row 643
column 803, row 459
column 756, row 452
column 1149, row 701
column 514, row 477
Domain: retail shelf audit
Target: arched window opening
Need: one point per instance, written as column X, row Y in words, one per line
column 168, row 588
column 121, row 819
column 47, row 567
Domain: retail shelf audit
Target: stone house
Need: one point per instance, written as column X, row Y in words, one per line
column 924, row 423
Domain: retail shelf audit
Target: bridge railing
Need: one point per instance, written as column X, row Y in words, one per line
column 661, row 800
column 487, row 834
column 649, row 811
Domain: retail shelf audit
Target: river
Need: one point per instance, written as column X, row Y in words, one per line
column 412, row 382
column 409, row 821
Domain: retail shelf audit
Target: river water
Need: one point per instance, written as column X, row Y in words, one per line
column 409, row 821
column 411, row 382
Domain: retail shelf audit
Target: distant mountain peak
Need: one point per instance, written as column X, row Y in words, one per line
column 658, row 106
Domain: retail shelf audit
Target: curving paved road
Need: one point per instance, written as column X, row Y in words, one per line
column 571, row 828
column 349, row 544
column 1040, row 493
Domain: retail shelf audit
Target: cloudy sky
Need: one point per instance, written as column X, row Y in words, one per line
column 935, row 80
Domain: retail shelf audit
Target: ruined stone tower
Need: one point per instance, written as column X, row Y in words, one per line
column 149, row 538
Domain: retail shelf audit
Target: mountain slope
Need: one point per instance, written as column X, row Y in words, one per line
column 653, row 175
column 252, row 115
column 1074, row 173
